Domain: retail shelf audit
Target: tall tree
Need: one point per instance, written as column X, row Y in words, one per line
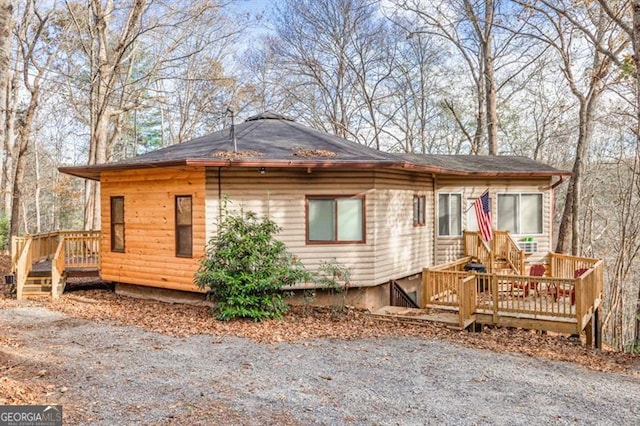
column 333, row 58
column 6, row 26
column 558, row 28
column 626, row 15
column 124, row 50
column 36, row 56
column 483, row 34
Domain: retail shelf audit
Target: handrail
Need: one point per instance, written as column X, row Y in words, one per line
column 57, row 271
column 17, row 245
column 23, row 267
column 506, row 247
column 476, row 247
column 399, row 297
column 457, row 265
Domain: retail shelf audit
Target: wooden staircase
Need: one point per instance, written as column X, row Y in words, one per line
column 41, row 263
column 37, row 284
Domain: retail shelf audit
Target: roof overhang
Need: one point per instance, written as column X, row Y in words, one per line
column 93, row 172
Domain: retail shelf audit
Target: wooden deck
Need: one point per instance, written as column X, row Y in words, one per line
column 557, row 301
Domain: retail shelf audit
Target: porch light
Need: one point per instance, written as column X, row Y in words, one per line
column 262, row 170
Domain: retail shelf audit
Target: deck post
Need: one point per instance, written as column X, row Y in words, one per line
column 494, row 294
column 597, row 328
column 589, row 331
column 594, row 330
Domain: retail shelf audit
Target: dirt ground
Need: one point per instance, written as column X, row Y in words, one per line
column 115, row 360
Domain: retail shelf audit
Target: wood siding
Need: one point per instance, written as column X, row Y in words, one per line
column 393, row 247
column 149, row 210
column 449, row 249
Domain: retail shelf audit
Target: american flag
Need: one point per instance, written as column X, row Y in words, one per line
column 483, row 216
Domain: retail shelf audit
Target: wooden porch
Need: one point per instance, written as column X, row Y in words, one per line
column 562, row 296
column 41, row 263
column 560, row 293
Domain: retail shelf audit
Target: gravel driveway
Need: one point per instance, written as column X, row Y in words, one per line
column 108, row 374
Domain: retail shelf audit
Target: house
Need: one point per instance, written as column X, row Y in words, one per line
column 384, row 216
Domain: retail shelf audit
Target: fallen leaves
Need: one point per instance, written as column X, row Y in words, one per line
column 306, row 152
column 230, row 155
column 304, row 323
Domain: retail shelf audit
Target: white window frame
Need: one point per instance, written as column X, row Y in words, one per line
column 460, row 194
column 518, row 212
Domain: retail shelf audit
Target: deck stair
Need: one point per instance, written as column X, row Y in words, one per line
column 38, row 284
column 41, row 263
column 416, row 316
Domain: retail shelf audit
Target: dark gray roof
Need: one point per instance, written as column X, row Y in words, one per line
column 482, row 164
column 273, row 140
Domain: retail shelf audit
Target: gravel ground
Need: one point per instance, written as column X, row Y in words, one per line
column 107, row 374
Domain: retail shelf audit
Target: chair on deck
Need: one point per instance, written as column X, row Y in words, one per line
column 536, row 270
column 557, row 291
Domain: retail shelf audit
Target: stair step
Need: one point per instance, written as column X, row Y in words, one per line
column 37, row 274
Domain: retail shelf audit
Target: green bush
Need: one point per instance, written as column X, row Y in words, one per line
column 245, row 267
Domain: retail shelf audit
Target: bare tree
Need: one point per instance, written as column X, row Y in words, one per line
column 558, row 27
column 6, row 26
column 470, row 28
column 626, row 15
column 333, row 64
column 35, row 56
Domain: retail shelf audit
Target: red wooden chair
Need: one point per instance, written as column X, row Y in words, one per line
column 536, row 270
column 557, row 291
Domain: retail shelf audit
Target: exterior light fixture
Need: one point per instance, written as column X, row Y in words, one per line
column 262, row 170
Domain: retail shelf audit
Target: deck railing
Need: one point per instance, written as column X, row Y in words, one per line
column 563, row 265
column 57, row 271
column 502, row 246
column 467, row 304
column 23, row 265
column 82, row 249
column 555, row 299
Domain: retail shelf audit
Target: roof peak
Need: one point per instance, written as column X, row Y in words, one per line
column 268, row 115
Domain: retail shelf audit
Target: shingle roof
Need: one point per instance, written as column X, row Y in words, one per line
column 483, row 164
column 273, row 140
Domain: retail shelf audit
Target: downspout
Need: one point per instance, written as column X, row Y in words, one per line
column 558, row 183
column 434, row 241
column 553, row 210
column 219, row 194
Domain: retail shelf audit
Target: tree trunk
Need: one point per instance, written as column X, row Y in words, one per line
column 6, row 24
column 21, row 161
column 489, row 79
column 635, row 39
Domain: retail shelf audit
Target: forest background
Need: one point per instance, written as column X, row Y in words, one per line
column 91, row 81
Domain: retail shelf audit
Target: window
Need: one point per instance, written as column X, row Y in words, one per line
column 335, row 219
column 472, row 220
column 184, row 226
column 117, row 224
column 520, row 213
column 419, row 204
column 449, row 214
